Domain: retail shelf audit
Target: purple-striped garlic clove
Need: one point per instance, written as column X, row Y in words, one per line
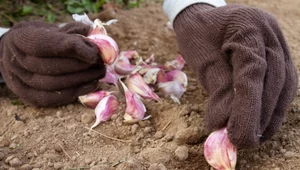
column 111, row 77
column 136, row 84
column 177, row 75
column 123, row 66
column 135, row 109
column 219, row 152
column 172, row 89
column 91, row 100
column 105, row 109
column 107, row 47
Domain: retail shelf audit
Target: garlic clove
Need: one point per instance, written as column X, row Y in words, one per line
column 219, row 152
column 136, row 84
column 177, row 75
column 172, row 89
column 132, row 55
column 111, row 77
column 123, row 66
column 107, row 47
column 135, row 109
column 91, row 100
column 150, row 77
column 105, row 109
column 176, row 64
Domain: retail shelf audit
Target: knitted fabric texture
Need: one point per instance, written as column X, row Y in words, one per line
column 242, row 60
column 49, row 66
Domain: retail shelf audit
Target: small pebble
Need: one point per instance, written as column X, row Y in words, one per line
column 168, row 138
column 158, row 166
column 70, row 107
column 1, row 156
column 87, row 118
column 4, row 142
column 88, row 161
column 36, row 169
column 58, row 165
column 282, row 151
column 289, row 154
column 144, row 123
column 158, row 135
column 134, row 128
column 147, row 129
column 26, row 167
column 182, row 153
column 59, row 114
column 114, row 117
column 15, row 162
column 26, row 133
column 9, row 158
column 256, row 157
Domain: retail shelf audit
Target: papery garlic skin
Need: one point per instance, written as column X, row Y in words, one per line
column 135, row 109
column 219, row 152
column 176, row 64
column 92, row 99
column 150, row 77
column 105, row 109
column 108, row 48
column 136, row 84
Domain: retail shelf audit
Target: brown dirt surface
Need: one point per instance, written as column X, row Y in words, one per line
column 58, row 138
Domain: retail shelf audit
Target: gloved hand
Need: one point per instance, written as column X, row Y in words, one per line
column 243, row 62
column 49, row 66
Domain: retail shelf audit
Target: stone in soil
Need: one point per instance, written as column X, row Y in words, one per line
column 87, row 118
column 157, row 166
column 182, row 153
column 130, row 164
column 15, row 162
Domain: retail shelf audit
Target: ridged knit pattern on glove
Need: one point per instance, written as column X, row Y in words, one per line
column 49, row 66
column 243, row 62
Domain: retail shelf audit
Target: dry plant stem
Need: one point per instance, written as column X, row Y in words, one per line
column 5, row 126
column 108, row 137
column 165, row 127
column 64, row 151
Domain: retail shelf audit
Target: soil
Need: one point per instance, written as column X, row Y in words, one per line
column 58, row 138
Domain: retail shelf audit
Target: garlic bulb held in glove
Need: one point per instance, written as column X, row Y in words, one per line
column 219, row 152
column 105, row 109
column 108, row 48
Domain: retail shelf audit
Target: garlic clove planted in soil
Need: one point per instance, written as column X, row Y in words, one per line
column 135, row 108
column 105, row 109
column 219, row 152
column 136, row 84
column 91, row 100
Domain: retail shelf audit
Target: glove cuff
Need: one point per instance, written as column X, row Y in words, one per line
column 173, row 7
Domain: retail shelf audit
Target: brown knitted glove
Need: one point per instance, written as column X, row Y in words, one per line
column 49, row 66
column 243, row 61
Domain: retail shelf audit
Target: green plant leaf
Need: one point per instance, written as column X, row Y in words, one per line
column 74, row 10
column 26, row 10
